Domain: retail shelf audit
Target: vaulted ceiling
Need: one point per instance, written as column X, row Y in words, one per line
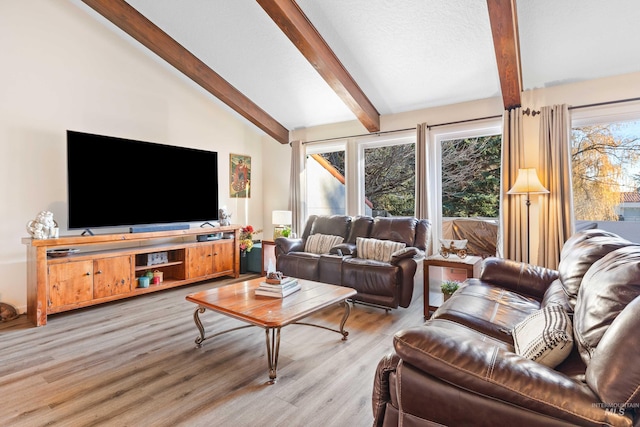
column 285, row 64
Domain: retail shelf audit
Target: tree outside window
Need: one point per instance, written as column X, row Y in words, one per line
column 605, row 160
column 389, row 181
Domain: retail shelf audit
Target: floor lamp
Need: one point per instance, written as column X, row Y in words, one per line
column 527, row 182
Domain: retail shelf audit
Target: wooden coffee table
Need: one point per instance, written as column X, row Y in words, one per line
column 239, row 301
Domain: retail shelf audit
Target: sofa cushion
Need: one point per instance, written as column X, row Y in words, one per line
column 334, row 225
column 544, row 336
column 370, row 276
column 555, row 294
column 489, row 309
column 303, row 265
column 607, row 288
column 379, row 250
column 321, row 243
column 580, row 255
column 397, row 229
column 619, row 347
column 360, row 227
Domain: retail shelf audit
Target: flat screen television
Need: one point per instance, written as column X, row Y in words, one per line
column 115, row 182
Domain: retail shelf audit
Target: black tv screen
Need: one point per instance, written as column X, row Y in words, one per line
column 121, row 182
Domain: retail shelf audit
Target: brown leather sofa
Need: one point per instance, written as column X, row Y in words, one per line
column 384, row 283
column 461, row 368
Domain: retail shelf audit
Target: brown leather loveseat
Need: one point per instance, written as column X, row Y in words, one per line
column 382, row 273
column 462, row 367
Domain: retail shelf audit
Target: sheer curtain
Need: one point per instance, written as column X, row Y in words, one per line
column 297, row 198
column 556, row 210
column 512, row 239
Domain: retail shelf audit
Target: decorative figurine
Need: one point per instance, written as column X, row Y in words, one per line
column 456, row 247
column 224, row 217
column 43, row 227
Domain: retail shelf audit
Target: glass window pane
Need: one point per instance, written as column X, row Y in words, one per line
column 471, row 191
column 326, row 183
column 605, row 161
column 389, row 181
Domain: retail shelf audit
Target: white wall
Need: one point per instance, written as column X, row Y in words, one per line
column 63, row 68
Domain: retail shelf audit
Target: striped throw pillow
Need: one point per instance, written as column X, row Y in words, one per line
column 321, row 243
column 544, row 336
column 379, row 250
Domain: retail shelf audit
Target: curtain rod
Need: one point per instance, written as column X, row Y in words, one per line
column 402, row 130
column 598, row 104
column 464, row 121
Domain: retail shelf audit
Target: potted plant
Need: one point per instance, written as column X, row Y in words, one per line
column 449, row 287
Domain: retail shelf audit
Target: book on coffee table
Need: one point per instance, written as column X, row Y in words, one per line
column 279, row 291
column 285, row 284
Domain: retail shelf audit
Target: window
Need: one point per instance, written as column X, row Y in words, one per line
column 326, row 192
column 466, row 173
column 605, row 161
column 388, row 178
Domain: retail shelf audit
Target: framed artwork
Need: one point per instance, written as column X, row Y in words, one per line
column 239, row 176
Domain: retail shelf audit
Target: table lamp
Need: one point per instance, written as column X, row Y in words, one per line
column 281, row 220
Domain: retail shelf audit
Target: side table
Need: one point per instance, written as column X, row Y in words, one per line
column 468, row 266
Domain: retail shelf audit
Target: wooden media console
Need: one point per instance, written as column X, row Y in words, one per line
column 106, row 267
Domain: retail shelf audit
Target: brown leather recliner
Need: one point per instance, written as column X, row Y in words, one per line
column 388, row 284
column 461, row 367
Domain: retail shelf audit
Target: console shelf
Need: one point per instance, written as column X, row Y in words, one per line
column 106, row 266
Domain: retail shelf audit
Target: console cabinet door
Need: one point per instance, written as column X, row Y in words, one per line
column 70, row 282
column 223, row 256
column 200, row 261
column 111, row 276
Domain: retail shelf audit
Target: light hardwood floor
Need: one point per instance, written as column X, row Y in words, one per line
column 134, row 363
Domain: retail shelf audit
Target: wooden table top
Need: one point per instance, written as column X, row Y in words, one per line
column 239, row 301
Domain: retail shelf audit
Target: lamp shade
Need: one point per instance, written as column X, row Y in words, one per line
column 281, row 217
column 527, row 182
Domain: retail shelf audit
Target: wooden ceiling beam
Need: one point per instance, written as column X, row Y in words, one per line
column 141, row 29
column 295, row 24
column 504, row 27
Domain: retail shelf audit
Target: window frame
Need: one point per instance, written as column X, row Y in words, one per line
column 399, row 138
column 605, row 114
column 488, row 127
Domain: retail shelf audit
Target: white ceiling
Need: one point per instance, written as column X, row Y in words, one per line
column 405, row 55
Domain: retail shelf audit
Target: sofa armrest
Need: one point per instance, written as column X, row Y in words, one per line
column 520, row 277
column 284, row 245
column 410, row 252
column 381, row 387
column 471, row 361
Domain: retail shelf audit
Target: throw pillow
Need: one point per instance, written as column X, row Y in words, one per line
column 379, row 250
column 321, row 243
column 544, row 336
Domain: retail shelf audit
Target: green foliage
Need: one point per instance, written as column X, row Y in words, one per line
column 449, row 286
column 390, row 178
column 471, row 177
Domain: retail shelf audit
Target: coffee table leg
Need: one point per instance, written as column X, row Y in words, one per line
column 196, row 318
column 345, row 316
column 273, row 349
